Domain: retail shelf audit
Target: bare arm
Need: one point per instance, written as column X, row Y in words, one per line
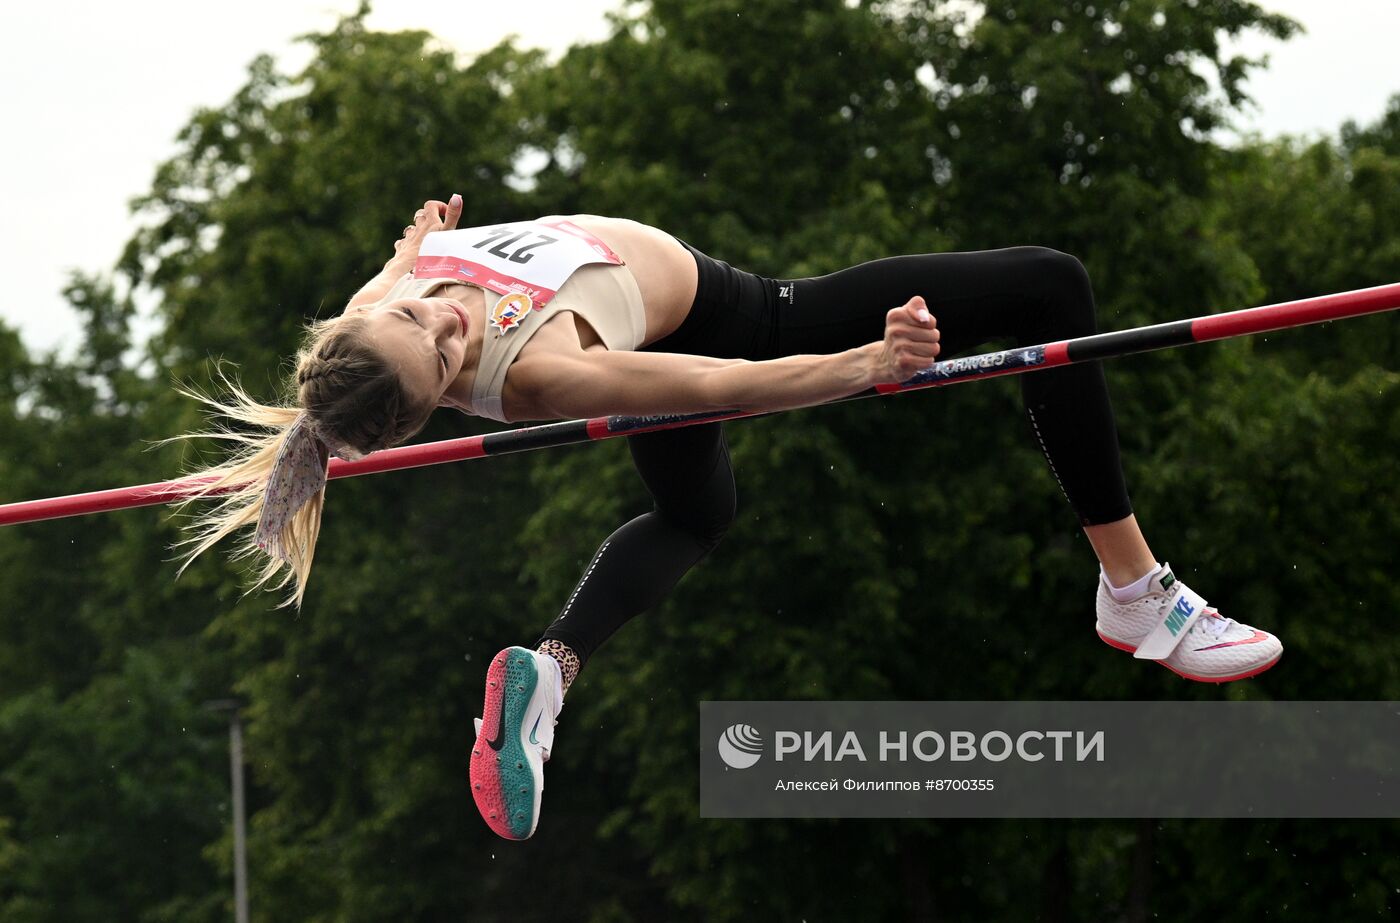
column 601, row 382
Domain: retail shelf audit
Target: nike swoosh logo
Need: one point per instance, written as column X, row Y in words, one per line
column 1252, row 639
column 500, row 738
column 533, row 738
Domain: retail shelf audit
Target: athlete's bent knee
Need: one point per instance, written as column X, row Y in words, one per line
column 1069, row 296
column 709, row 524
column 714, row 528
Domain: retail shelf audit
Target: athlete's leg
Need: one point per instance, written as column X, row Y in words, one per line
column 688, row 474
column 1028, row 294
column 1121, row 550
column 1035, row 295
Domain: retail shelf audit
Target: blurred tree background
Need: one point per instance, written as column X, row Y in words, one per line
column 935, row 558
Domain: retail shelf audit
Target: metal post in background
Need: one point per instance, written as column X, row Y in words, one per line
column 240, row 849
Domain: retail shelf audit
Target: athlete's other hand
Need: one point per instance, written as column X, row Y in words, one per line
column 911, row 340
column 433, row 216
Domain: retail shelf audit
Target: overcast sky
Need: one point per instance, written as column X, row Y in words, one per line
column 94, row 94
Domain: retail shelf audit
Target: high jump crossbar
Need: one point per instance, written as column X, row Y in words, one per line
column 987, row 365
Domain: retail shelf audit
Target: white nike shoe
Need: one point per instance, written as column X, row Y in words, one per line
column 523, row 699
column 1172, row 625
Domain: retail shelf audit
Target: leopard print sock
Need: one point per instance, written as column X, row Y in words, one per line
column 568, row 661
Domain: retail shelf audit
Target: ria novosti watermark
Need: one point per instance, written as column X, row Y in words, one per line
column 1050, row 759
column 741, row 746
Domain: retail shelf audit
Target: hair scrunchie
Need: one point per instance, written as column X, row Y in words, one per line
column 298, row 474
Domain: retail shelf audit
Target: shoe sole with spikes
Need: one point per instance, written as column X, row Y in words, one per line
column 507, row 768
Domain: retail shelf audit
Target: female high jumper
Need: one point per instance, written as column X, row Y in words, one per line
column 589, row 316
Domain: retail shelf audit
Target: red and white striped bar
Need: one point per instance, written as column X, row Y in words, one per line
column 988, row 365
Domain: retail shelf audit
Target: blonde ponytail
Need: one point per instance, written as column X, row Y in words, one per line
column 349, row 389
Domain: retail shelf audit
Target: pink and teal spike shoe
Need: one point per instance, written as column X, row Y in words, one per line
column 513, row 739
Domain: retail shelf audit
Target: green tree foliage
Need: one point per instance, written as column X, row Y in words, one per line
column 907, row 548
column 118, row 788
column 1321, row 217
column 1384, row 135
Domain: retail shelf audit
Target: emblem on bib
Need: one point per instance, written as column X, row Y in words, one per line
column 510, row 311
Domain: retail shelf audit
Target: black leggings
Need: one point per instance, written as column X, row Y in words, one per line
column 1031, row 295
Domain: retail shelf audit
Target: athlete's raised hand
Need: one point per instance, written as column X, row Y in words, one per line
column 911, row 340
column 433, row 216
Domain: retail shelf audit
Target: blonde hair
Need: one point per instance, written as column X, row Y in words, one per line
column 351, row 393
